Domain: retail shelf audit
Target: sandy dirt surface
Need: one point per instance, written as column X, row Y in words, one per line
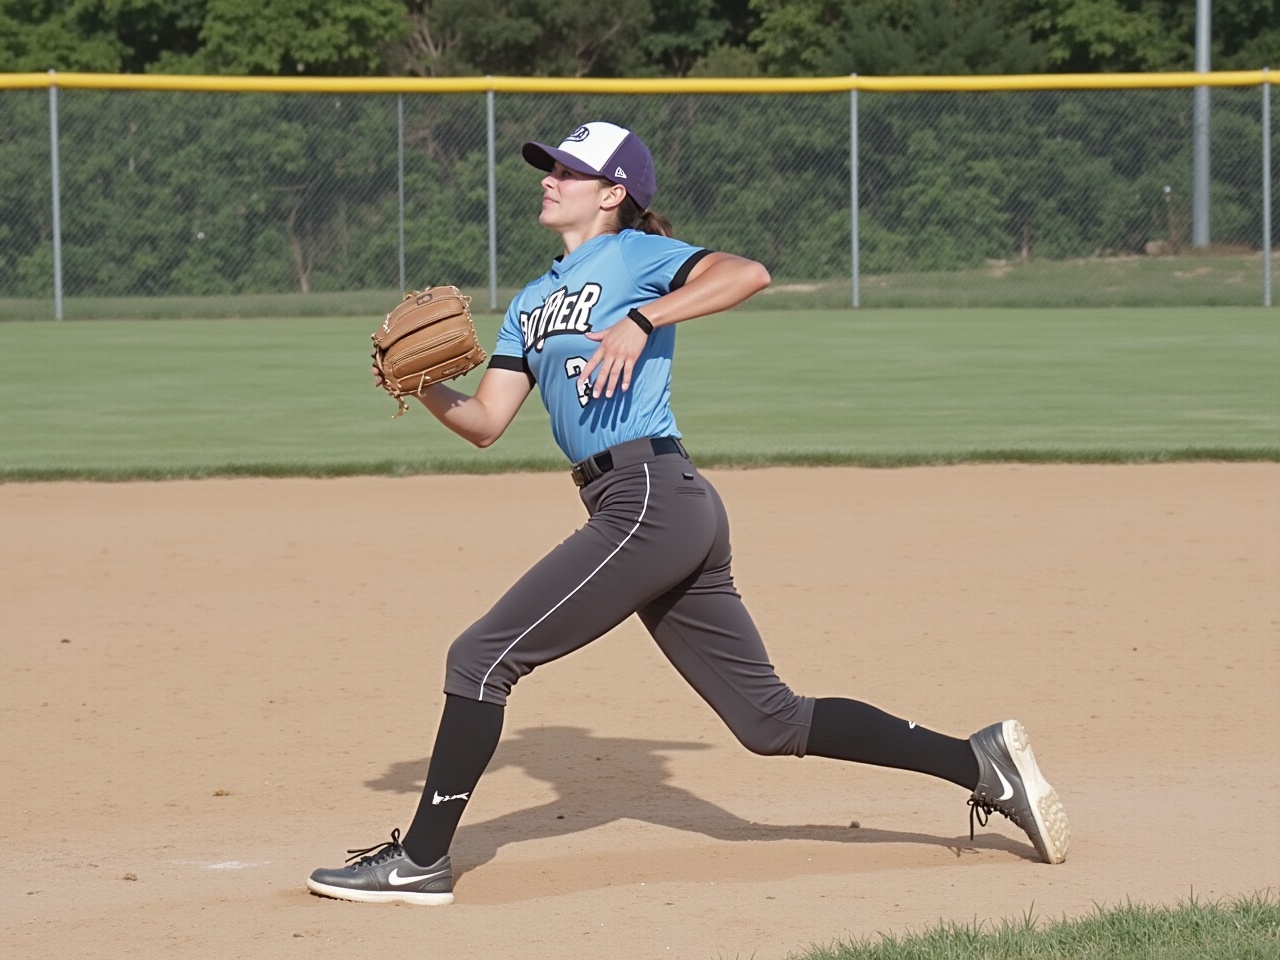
column 208, row 692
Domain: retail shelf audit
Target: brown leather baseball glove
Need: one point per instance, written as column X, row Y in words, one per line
column 429, row 337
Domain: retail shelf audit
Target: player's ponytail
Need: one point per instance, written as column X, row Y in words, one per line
column 631, row 217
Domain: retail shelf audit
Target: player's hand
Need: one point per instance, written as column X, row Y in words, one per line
column 377, row 375
column 616, row 357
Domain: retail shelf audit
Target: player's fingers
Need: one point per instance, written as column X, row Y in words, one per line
column 602, row 384
column 607, row 381
column 585, row 375
column 622, row 374
column 627, row 369
column 613, row 361
column 615, row 375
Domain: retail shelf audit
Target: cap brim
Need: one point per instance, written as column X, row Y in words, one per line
column 544, row 158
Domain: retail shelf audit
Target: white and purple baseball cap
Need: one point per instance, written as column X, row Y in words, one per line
column 605, row 150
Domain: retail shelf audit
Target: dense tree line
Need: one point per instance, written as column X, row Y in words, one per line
column 612, row 38
column 205, row 194
column 210, row 194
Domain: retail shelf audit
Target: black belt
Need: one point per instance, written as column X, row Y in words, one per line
column 629, row 454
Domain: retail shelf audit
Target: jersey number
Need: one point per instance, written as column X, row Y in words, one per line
column 573, row 368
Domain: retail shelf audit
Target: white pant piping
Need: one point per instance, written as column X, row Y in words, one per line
column 640, row 519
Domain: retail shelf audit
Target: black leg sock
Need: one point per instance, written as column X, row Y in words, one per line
column 850, row 730
column 468, row 735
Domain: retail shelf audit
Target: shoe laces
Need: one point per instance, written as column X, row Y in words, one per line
column 379, row 852
column 981, row 808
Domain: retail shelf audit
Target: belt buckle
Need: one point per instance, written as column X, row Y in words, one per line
column 579, row 475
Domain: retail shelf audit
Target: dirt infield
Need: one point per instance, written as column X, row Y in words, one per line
column 205, row 697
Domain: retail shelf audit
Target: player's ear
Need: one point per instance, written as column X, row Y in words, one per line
column 614, row 194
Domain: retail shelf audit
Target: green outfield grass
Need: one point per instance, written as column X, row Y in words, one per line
column 1244, row 929
column 156, row 398
column 1214, row 277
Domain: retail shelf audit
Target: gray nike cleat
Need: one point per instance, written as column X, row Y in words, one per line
column 1009, row 783
column 385, row 873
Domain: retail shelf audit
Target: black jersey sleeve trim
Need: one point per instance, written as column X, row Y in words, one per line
column 519, row 364
column 686, row 268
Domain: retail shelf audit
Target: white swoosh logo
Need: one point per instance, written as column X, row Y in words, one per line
column 1008, row 787
column 396, row 880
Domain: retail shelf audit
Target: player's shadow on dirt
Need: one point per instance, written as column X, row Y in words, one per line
column 598, row 780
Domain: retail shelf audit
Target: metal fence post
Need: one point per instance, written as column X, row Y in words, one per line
column 1266, row 187
column 400, row 177
column 853, row 191
column 1200, row 133
column 57, row 199
column 493, row 204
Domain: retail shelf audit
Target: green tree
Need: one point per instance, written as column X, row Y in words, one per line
column 887, row 37
column 327, row 37
column 1245, row 33
column 599, row 38
column 683, row 32
column 146, row 30
column 1140, row 35
column 1085, row 36
column 39, row 35
column 26, row 223
column 576, row 38
column 289, row 37
column 431, row 46
column 793, row 38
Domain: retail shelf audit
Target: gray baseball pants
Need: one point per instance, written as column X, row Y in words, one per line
column 657, row 544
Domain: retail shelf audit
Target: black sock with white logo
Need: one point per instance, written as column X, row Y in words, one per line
column 850, row 730
column 468, row 735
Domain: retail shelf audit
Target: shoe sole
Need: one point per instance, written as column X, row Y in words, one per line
column 1047, row 810
column 380, row 896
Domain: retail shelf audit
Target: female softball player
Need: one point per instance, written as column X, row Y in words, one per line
column 596, row 335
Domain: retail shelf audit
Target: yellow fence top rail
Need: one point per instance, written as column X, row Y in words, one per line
column 1060, row 81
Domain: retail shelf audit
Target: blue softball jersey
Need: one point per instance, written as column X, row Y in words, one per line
column 591, row 289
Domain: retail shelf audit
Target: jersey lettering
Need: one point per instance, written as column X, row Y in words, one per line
column 573, row 368
column 561, row 312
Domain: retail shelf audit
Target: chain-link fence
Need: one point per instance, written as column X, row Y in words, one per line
column 184, row 203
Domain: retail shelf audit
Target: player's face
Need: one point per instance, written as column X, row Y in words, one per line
column 571, row 198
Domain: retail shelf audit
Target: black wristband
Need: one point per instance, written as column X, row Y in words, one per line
column 641, row 320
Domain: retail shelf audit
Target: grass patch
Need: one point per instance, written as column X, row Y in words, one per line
column 366, row 304
column 1243, row 929
column 1210, row 278
column 163, row 399
column 555, row 464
